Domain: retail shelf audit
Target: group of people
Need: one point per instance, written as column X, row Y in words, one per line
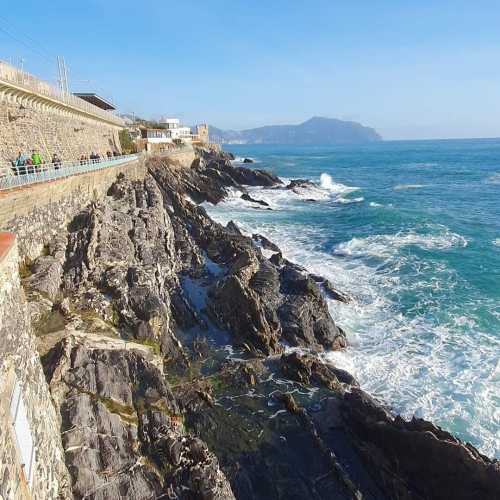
column 96, row 157
column 26, row 164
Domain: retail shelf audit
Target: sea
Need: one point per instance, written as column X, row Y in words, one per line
column 410, row 230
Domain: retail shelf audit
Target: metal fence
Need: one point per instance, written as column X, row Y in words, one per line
column 19, row 175
column 31, row 83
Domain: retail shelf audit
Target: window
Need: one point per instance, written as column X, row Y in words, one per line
column 22, row 432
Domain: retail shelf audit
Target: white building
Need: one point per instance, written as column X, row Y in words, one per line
column 175, row 131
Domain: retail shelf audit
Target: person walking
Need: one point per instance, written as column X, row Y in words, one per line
column 36, row 160
column 56, row 161
column 19, row 164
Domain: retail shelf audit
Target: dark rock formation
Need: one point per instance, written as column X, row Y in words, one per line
column 265, row 243
column 416, row 459
column 122, row 430
column 248, row 160
column 299, row 183
column 330, row 291
column 310, row 370
column 247, row 197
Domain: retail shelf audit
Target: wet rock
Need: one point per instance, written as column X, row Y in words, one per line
column 417, row 459
column 299, row 183
column 310, row 370
column 247, row 197
column 248, row 160
column 252, row 177
column 233, row 228
column 241, row 374
column 265, row 243
column 304, row 315
column 329, row 289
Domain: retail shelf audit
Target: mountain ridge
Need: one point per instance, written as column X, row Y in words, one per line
column 314, row 131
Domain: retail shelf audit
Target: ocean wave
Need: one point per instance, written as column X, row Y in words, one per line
column 400, row 187
column 496, row 242
column 342, row 200
column 385, row 245
column 375, row 205
column 327, row 183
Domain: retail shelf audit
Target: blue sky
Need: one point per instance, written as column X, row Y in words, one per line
column 426, row 69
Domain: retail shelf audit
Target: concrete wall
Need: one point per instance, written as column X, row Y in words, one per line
column 23, row 128
column 19, row 361
column 35, row 213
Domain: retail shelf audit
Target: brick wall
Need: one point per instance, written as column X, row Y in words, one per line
column 23, row 128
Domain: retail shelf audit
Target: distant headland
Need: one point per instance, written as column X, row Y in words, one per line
column 315, row 131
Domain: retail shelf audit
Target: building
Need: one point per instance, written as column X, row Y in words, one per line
column 175, row 130
column 154, row 140
column 201, row 134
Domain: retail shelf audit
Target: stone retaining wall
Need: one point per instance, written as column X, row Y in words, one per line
column 35, row 213
column 23, row 128
column 19, row 362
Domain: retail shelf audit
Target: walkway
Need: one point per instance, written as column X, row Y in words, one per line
column 11, row 177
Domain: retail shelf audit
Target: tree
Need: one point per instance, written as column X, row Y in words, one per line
column 126, row 142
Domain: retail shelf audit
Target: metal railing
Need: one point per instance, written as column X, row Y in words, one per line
column 30, row 83
column 19, row 175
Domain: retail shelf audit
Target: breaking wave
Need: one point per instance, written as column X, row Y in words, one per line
column 385, row 245
column 327, row 183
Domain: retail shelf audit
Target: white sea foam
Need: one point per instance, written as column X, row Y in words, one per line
column 496, row 242
column 375, row 205
column 327, row 183
column 400, row 187
column 343, row 200
column 386, row 245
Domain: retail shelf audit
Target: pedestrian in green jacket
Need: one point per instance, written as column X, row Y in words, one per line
column 36, row 158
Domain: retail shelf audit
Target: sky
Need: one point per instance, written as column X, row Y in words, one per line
column 410, row 69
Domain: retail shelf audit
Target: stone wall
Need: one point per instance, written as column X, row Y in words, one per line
column 24, row 128
column 182, row 157
column 35, row 213
column 19, row 362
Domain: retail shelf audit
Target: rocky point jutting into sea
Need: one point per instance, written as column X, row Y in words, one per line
column 170, row 346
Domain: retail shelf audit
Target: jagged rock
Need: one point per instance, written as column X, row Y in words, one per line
column 310, row 370
column 45, row 278
column 265, row 243
column 416, row 459
column 247, row 197
column 242, row 373
column 248, row 160
column 304, row 315
column 122, row 428
column 252, row 177
column 233, row 228
column 329, row 289
column 299, row 183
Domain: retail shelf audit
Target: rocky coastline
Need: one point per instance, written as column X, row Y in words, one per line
column 183, row 362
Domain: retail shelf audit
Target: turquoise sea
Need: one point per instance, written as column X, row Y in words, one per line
column 411, row 230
